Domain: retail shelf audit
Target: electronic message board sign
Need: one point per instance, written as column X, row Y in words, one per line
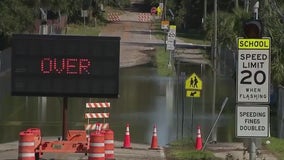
column 67, row 66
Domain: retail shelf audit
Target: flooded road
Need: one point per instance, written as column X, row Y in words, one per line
column 145, row 99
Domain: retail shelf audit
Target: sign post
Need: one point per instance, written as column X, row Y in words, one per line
column 171, row 38
column 253, row 84
column 193, row 87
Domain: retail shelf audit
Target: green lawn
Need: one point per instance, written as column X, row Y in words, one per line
column 75, row 29
column 276, row 146
column 162, row 62
column 184, row 150
column 191, row 36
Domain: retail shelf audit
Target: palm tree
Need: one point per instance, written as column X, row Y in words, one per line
column 274, row 28
column 230, row 27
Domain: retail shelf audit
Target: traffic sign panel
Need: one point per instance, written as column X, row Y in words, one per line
column 252, row 121
column 193, row 93
column 193, row 82
column 153, row 10
column 253, row 80
column 172, row 33
column 165, row 25
column 170, row 46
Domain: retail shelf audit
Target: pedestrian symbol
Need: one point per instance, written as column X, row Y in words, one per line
column 193, row 82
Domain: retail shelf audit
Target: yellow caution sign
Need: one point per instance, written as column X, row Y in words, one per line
column 263, row 43
column 193, row 82
column 159, row 11
column 173, row 27
column 193, row 93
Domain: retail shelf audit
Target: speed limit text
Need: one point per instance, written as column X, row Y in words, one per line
column 251, row 58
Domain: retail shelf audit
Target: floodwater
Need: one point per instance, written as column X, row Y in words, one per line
column 146, row 99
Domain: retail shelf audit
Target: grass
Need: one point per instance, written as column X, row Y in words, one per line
column 162, row 62
column 276, row 146
column 190, row 36
column 193, row 36
column 76, row 29
column 184, row 150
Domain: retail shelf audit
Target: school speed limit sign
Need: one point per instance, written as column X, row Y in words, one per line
column 253, row 70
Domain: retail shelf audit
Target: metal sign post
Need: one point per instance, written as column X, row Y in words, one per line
column 253, row 90
column 193, row 87
column 171, row 38
column 64, row 118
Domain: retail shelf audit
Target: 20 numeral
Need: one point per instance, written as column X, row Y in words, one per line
column 248, row 75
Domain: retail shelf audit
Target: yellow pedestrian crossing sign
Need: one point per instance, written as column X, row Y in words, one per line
column 192, row 93
column 193, row 82
column 159, row 11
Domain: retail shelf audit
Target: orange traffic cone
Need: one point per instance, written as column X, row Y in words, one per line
column 154, row 143
column 198, row 144
column 126, row 143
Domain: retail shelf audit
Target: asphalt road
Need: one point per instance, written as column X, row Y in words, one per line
column 9, row 151
column 134, row 27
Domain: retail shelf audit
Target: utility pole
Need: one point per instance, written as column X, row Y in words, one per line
column 236, row 4
column 205, row 13
column 247, row 5
column 214, row 133
column 165, row 10
column 252, row 151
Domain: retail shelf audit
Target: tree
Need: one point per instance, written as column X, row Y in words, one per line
column 230, row 27
column 274, row 28
column 16, row 17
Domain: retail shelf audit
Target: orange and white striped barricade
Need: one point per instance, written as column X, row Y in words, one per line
column 102, row 126
column 98, row 105
column 144, row 17
column 26, row 146
column 96, row 115
column 97, row 146
column 113, row 17
column 109, row 144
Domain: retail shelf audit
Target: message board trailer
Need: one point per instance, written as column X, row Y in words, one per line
column 67, row 66
column 252, row 121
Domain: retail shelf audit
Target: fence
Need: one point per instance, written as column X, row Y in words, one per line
column 5, row 60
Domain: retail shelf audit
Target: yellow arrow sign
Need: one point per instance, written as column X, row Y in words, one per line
column 192, row 93
column 193, row 82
